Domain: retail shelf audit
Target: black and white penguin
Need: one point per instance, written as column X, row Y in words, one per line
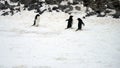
column 80, row 23
column 36, row 20
column 70, row 22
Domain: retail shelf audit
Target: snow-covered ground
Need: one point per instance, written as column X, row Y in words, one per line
column 51, row 46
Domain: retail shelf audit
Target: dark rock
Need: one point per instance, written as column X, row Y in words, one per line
column 14, row 0
column 77, row 8
column 2, row 6
column 55, row 8
column 5, row 13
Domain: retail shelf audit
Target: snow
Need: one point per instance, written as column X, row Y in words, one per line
column 51, row 46
column 64, row 3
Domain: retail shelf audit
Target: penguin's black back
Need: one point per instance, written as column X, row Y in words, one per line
column 37, row 16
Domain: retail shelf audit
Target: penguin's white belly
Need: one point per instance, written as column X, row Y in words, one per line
column 37, row 21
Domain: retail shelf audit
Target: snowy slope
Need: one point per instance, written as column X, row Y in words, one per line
column 51, row 46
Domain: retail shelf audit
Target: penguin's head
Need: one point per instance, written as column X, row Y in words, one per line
column 71, row 16
column 37, row 15
column 78, row 19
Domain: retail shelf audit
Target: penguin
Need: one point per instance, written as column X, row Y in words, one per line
column 80, row 23
column 70, row 22
column 36, row 20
